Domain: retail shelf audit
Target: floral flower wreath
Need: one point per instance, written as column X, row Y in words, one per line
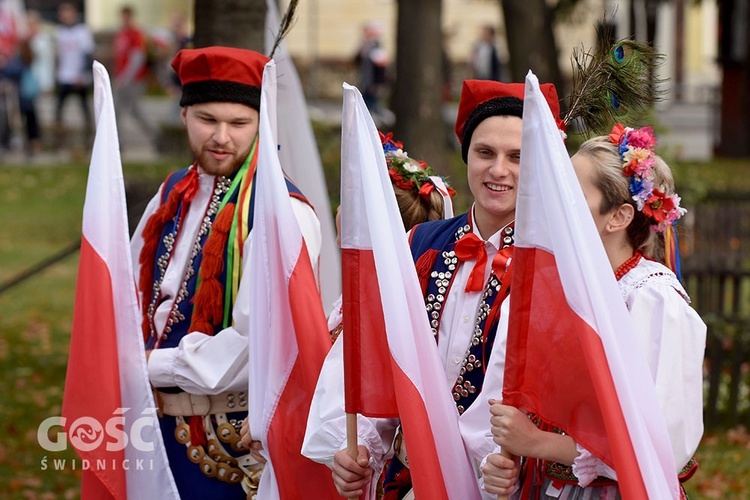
column 636, row 147
column 406, row 173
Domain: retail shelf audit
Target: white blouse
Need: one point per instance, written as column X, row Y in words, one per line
column 673, row 338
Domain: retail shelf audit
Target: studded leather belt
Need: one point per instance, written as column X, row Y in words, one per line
column 183, row 404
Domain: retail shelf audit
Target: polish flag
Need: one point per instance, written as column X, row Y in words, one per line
column 108, row 407
column 571, row 358
column 391, row 363
column 288, row 332
column 299, row 154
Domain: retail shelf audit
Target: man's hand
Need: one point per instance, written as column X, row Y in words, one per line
column 351, row 476
column 500, row 474
column 254, row 447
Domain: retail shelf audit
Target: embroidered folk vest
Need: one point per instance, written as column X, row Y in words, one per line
column 180, row 316
column 432, row 245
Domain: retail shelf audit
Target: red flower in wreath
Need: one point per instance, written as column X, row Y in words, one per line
column 399, row 180
column 629, row 169
column 658, row 206
column 388, row 139
column 615, row 137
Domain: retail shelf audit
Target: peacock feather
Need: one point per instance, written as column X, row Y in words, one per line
column 285, row 25
column 614, row 83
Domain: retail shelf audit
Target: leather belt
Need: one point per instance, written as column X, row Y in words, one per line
column 183, row 404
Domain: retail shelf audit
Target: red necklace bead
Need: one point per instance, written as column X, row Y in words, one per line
column 628, row 265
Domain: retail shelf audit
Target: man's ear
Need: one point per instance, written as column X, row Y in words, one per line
column 183, row 115
column 621, row 218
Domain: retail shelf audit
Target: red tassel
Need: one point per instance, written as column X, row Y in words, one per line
column 185, row 190
column 208, row 303
column 424, row 266
column 151, row 236
column 197, row 431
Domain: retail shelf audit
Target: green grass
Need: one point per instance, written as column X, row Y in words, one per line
column 40, row 213
column 723, row 471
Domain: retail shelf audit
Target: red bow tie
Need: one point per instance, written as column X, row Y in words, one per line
column 470, row 247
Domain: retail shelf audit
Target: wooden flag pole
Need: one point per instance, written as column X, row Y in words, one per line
column 506, row 454
column 351, row 435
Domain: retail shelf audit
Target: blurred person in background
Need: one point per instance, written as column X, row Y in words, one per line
column 75, row 48
column 131, row 70
column 372, row 66
column 485, row 63
column 43, row 48
column 36, row 77
column 12, row 31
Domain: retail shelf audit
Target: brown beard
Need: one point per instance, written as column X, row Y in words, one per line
column 226, row 168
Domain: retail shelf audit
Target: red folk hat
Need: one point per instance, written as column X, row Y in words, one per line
column 220, row 74
column 481, row 99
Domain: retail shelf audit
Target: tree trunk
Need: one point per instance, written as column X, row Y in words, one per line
column 652, row 17
column 417, row 97
column 735, row 64
column 679, row 49
column 531, row 41
column 233, row 23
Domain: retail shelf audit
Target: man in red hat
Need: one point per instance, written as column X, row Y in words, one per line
column 464, row 266
column 191, row 246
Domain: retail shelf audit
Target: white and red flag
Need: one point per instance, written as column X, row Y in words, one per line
column 287, row 329
column 299, row 154
column 571, row 355
column 391, row 363
column 108, row 407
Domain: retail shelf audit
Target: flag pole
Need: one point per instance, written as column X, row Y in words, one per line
column 351, row 435
column 506, row 454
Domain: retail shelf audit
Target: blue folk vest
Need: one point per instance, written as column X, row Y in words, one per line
column 180, row 318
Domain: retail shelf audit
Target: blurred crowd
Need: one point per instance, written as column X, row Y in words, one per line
column 46, row 79
column 51, row 59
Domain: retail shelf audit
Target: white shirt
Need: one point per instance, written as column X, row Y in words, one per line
column 205, row 364
column 75, row 45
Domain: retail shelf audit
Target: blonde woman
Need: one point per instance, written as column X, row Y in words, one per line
column 630, row 192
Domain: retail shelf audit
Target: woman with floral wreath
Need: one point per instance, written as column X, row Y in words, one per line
column 630, row 192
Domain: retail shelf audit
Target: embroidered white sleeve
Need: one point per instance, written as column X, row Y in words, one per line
column 587, row 467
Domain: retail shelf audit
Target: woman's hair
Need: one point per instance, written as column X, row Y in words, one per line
column 414, row 183
column 415, row 209
column 615, row 189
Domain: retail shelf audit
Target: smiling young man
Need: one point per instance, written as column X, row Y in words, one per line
column 191, row 249
column 464, row 267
